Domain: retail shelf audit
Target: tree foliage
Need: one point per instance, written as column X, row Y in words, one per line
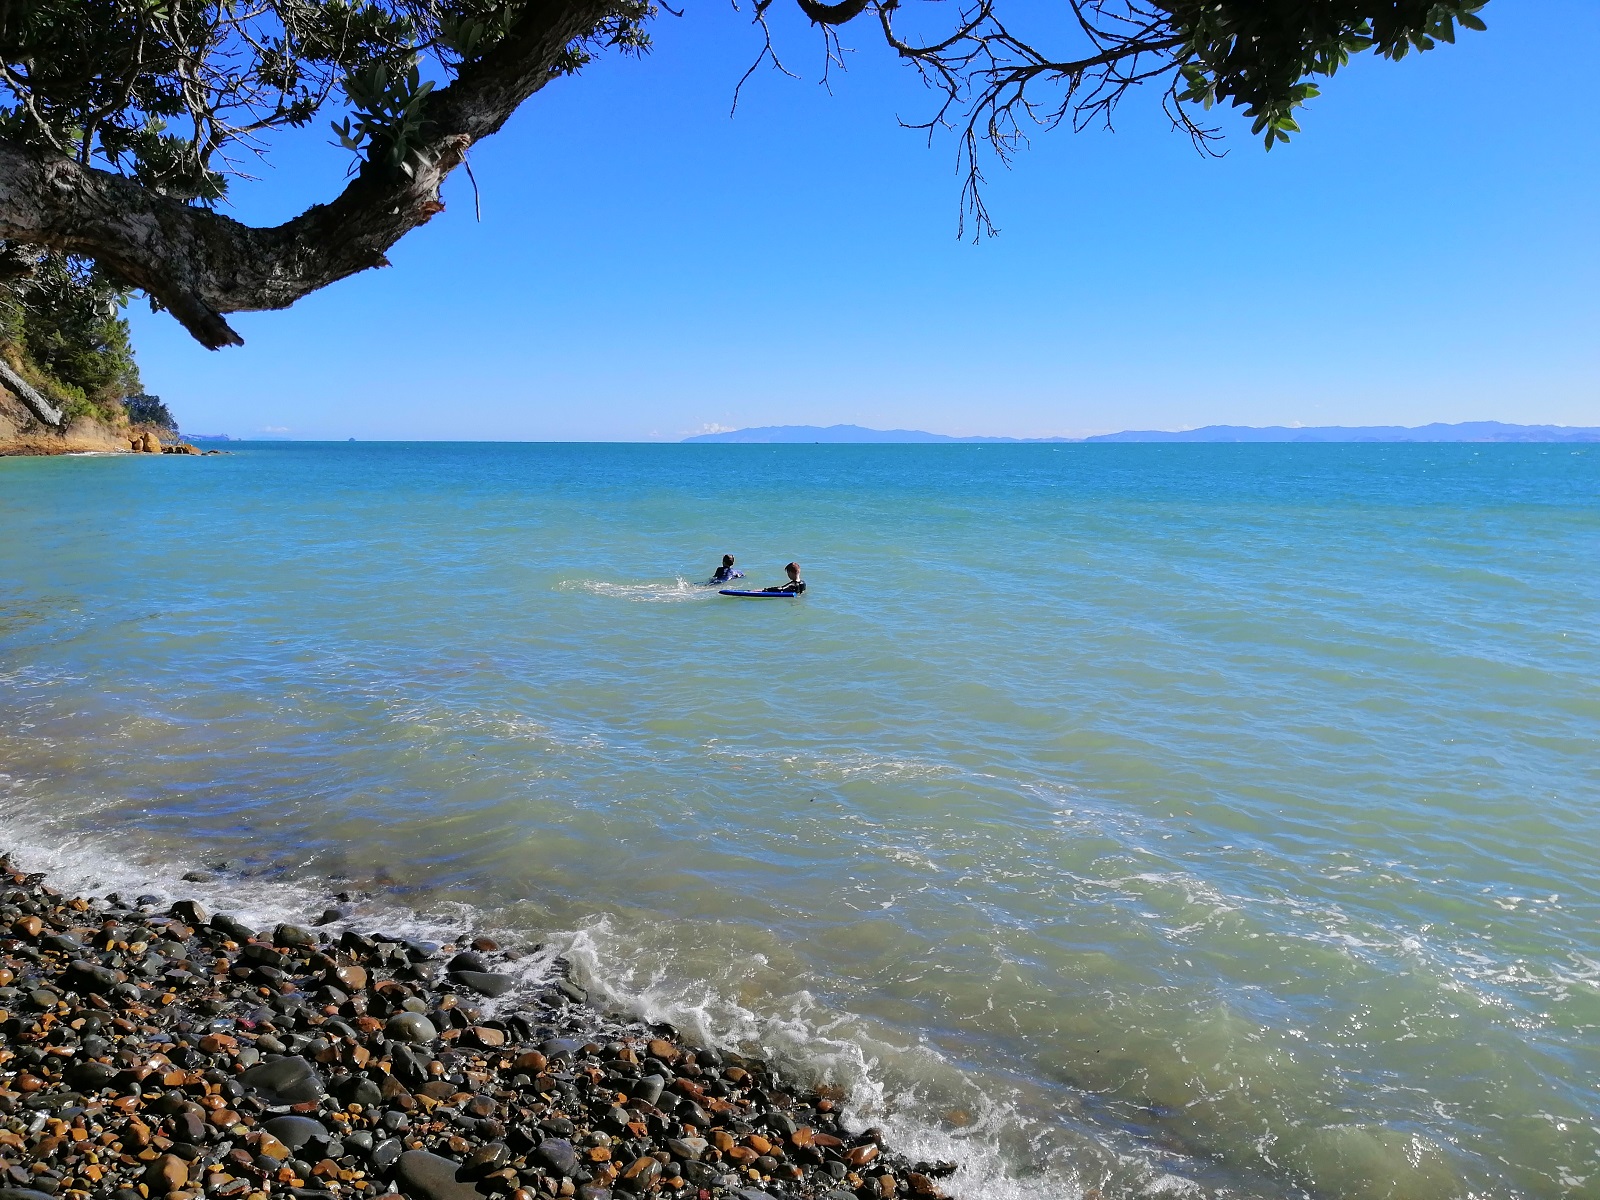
column 141, row 113
column 145, row 409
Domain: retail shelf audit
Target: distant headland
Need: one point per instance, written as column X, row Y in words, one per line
column 1465, row 431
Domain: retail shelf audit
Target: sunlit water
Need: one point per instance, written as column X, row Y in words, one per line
column 1157, row 820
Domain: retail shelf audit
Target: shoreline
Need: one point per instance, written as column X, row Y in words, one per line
column 162, row 1050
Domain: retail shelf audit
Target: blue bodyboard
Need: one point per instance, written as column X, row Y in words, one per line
column 756, row 595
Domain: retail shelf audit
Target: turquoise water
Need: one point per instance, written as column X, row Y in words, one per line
column 1189, row 820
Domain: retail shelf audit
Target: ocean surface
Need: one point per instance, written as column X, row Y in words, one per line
column 1120, row 821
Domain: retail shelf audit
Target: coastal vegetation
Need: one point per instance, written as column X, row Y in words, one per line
column 66, row 360
column 123, row 125
column 61, row 330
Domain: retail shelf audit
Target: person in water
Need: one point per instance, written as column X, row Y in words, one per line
column 795, row 586
column 726, row 572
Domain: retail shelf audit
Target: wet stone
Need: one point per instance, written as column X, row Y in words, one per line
column 190, row 912
column 294, row 1132
column 664, row 1050
column 648, row 1088
column 189, row 1127
column 420, row 951
column 641, row 1174
column 294, row 935
column 266, row 955
column 487, row 1158
column 91, row 977
column 686, row 1149
column 167, row 1173
column 385, row 1153
column 289, row 1080
column 91, row 1076
column 426, row 1176
column 560, row 1049
column 572, row 991
column 485, row 983
column 556, row 1155
column 781, row 1123
column 410, row 1027
column 358, row 1090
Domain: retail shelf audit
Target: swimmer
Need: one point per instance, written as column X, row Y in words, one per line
column 726, row 572
column 795, row 586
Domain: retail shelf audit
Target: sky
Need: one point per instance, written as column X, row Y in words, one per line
column 648, row 267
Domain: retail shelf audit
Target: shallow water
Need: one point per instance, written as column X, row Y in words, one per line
column 1158, row 820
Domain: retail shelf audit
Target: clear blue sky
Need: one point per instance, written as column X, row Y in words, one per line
column 647, row 268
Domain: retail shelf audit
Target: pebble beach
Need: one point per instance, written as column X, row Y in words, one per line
column 151, row 1050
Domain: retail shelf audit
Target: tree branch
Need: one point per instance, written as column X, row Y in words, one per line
column 200, row 264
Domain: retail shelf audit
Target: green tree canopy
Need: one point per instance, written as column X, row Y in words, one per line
column 123, row 122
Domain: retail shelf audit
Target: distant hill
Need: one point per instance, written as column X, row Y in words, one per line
column 1466, row 431
column 770, row 434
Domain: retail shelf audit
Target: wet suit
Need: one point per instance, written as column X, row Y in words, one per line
column 723, row 574
column 793, row 587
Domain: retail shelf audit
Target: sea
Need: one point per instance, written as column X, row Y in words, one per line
column 1114, row 821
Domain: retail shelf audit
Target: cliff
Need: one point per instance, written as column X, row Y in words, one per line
column 68, row 380
column 23, row 433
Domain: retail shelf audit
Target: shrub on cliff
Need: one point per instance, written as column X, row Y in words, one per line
column 150, row 410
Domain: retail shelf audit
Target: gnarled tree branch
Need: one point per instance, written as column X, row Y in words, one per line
column 201, row 264
column 130, row 195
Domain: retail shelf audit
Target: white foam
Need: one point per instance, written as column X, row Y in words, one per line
column 1003, row 1153
column 998, row 1149
column 676, row 592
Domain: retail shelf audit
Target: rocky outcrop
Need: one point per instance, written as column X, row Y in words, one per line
column 23, row 431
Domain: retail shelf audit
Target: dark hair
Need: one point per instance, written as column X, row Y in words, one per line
column 795, row 567
column 727, row 560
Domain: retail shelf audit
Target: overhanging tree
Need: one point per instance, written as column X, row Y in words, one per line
column 122, row 122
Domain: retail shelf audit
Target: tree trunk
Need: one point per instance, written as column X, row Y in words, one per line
column 37, row 404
